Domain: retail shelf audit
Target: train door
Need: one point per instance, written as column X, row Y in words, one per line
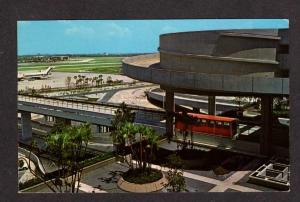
column 227, row 129
column 212, row 127
column 219, row 128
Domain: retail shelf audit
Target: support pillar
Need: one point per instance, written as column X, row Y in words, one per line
column 63, row 121
column 26, row 126
column 170, row 109
column 212, row 105
column 94, row 128
column 196, row 109
column 267, row 119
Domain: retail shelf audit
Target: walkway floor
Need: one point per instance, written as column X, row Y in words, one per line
column 104, row 180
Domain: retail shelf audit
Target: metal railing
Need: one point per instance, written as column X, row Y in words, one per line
column 141, row 112
column 68, row 104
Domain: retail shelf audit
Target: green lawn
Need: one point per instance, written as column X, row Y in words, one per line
column 109, row 65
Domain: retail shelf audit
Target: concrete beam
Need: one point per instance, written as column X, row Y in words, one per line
column 67, row 113
column 26, row 125
column 64, row 121
column 196, row 110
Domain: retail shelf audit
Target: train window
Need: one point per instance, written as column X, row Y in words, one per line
column 219, row 123
column 212, row 122
column 203, row 121
column 226, row 124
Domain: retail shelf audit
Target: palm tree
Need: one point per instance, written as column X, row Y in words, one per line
column 90, row 80
column 147, row 140
column 109, row 80
column 100, row 76
column 127, row 136
column 86, row 81
column 68, row 146
column 75, row 78
column 97, row 82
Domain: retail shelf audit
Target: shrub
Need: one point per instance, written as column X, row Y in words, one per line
column 21, row 163
column 139, row 176
column 176, row 181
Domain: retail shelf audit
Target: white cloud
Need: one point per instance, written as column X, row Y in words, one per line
column 117, row 30
column 99, row 31
column 80, row 31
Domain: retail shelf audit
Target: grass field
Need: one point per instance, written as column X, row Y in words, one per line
column 109, row 65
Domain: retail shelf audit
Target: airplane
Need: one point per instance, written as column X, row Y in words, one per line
column 35, row 75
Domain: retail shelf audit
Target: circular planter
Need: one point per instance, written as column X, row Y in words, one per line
column 142, row 188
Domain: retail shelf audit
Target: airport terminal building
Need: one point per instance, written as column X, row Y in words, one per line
column 219, row 63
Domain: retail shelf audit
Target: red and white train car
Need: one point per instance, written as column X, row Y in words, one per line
column 208, row 124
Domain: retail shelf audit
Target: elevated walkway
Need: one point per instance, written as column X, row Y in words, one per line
column 96, row 114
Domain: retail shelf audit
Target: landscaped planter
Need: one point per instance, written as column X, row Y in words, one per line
column 142, row 188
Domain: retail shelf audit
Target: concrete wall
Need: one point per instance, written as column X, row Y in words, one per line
column 255, row 44
column 201, row 104
column 97, row 118
column 26, row 125
column 233, row 145
column 234, row 61
column 189, row 42
column 214, row 65
column 210, row 82
column 242, row 47
column 67, row 113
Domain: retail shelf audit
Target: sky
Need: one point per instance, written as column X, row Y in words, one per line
column 117, row 36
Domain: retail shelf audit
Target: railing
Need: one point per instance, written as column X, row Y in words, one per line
column 141, row 112
column 68, row 104
column 114, row 105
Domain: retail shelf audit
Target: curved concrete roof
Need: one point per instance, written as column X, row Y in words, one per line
column 206, row 61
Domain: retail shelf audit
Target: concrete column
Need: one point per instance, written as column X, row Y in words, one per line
column 26, row 126
column 94, row 128
column 212, row 105
column 196, row 109
column 63, row 121
column 267, row 119
column 170, row 109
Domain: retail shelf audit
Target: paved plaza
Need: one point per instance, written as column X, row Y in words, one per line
column 104, row 180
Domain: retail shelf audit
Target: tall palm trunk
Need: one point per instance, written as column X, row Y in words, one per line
column 141, row 153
